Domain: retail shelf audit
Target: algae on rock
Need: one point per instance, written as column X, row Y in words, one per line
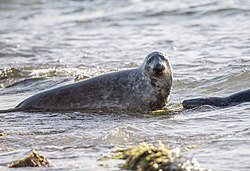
column 148, row 157
column 33, row 160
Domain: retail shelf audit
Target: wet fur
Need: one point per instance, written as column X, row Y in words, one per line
column 139, row 89
column 234, row 99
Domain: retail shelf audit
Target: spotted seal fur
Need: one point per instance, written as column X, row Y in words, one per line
column 140, row 89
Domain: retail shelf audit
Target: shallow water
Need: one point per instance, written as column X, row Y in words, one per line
column 45, row 44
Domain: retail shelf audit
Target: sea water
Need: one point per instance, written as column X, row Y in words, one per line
column 46, row 44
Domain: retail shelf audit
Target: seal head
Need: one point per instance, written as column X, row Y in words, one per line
column 158, row 71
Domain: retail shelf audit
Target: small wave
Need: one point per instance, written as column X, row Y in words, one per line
column 225, row 11
column 10, row 77
column 220, row 85
column 9, row 73
column 235, row 82
column 195, row 9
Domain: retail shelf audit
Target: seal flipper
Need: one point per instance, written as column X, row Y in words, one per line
column 10, row 110
column 18, row 108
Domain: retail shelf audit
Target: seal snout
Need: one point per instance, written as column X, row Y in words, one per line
column 159, row 67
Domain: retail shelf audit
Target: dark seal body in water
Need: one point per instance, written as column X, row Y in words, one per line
column 234, row 99
column 141, row 89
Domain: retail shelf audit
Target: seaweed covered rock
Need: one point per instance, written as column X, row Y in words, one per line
column 33, row 160
column 147, row 157
column 2, row 134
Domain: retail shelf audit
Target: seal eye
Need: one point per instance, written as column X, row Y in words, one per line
column 149, row 60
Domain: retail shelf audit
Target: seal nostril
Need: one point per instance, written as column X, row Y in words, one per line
column 158, row 67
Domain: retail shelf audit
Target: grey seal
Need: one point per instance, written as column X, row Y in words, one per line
column 144, row 88
column 234, row 99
